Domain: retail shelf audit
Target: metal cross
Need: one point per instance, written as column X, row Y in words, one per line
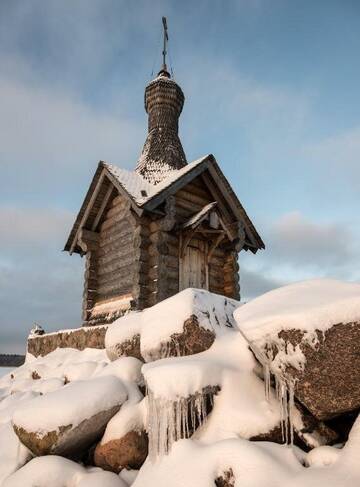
column 166, row 38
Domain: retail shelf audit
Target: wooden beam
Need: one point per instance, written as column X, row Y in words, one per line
column 216, row 195
column 214, row 245
column 188, row 236
column 87, row 211
column 102, row 207
column 238, row 211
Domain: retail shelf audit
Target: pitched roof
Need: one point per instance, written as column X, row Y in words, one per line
column 145, row 196
column 139, row 189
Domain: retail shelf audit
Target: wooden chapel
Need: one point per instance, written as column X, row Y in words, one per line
column 168, row 225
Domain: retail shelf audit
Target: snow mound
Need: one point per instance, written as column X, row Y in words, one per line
column 70, row 405
column 239, row 410
column 157, row 325
column 310, row 305
column 56, row 471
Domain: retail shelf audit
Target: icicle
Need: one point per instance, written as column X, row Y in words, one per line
column 284, row 390
column 285, row 395
column 170, row 421
column 267, row 380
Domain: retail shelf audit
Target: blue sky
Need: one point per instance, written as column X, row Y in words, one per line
column 271, row 90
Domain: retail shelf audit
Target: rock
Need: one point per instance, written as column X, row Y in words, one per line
column 227, row 479
column 185, row 324
column 329, row 384
column 69, row 420
column 128, row 452
column 309, row 432
column 79, row 338
column 127, row 348
column 193, row 339
column 122, row 338
column 308, row 333
column 125, row 443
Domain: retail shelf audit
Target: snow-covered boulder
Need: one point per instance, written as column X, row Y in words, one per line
column 308, row 335
column 128, row 452
column 13, row 454
column 122, row 338
column 182, row 391
column 184, row 324
column 125, row 442
column 55, row 471
column 65, row 422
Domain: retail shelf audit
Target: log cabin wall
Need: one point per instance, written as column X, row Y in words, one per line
column 163, row 261
column 134, row 261
column 115, row 270
column 222, row 266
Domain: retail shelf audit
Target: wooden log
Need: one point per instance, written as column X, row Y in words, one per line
column 115, row 243
column 159, row 237
column 182, row 214
column 163, row 273
column 115, row 265
column 199, row 190
column 194, row 198
column 126, row 255
column 111, row 239
column 122, row 216
column 118, row 200
column 123, row 225
column 115, row 287
column 187, row 205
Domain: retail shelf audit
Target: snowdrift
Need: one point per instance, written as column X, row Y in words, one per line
column 196, row 391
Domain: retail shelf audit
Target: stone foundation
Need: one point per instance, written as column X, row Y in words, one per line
column 78, row 338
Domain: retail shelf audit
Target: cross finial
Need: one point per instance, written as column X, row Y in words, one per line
column 166, row 38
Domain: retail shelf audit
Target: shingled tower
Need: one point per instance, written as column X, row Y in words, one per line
column 166, row 226
column 162, row 152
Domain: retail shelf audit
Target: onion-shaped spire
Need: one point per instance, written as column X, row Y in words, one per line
column 162, row 151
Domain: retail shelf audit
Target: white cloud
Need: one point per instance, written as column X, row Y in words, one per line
column 303, row 242
column 299, row 248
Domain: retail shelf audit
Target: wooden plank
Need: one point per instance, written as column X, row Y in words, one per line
column 185, row 195
column 88, row 208
column 191, row 207
column 197, row 186
column 102, row 207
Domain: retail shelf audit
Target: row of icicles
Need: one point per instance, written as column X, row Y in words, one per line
column 169, row 421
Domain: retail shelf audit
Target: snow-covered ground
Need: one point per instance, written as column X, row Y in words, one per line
column 5, row 371
column 52, row 402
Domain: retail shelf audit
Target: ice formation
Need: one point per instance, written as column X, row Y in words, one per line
column 169, row 421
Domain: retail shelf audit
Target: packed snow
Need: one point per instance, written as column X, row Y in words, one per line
column 200, row 411
column 70, row 405
column 55, row 471
column 308, row 306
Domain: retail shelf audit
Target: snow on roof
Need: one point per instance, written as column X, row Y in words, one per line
column 309, row 305
column 200, row 214
column 140, row 189
column 134, row 184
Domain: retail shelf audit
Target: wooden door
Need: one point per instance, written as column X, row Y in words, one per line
column 193, row 267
